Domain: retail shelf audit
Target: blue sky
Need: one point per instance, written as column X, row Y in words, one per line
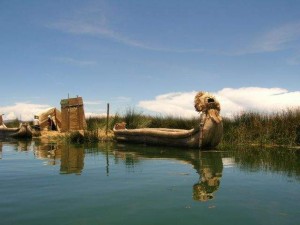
column 148, row 54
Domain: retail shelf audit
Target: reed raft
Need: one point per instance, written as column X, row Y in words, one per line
column 207, row 135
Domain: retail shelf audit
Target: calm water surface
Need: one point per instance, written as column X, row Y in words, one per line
column 51, row 183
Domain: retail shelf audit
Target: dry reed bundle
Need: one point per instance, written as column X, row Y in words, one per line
column 207, row 103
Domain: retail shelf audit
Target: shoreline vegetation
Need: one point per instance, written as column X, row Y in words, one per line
column 246, row 129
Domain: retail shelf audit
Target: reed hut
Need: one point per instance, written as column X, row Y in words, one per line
column 55, row 115
column 72, row 113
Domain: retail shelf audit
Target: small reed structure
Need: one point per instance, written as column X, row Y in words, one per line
column 72, row 113
column 55, row 116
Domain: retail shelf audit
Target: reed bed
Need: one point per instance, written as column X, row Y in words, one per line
column 136, row 119
column 252, row 128
column 13, row 123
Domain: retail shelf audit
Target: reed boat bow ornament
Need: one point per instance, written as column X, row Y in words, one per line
column 211, row 126
column 207, row 135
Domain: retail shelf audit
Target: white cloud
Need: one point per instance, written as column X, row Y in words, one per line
column 233, row 101
column 84, row 26
column 95, row 29
column 257, row 99
column 279, row 38
column 175, row 104
column 276, row 39
column 95, row 102
column 121, row 99
column 92, row 114
column 75, row 61
column 25, row 111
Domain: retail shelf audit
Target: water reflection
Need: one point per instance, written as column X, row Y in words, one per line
column 276, row 160
column 72, row 160
column 18, row 145
column 210, row 171
column 23, row 145
column 50, row 151
column 208, row 165
column 130, row 159
column 69, row 157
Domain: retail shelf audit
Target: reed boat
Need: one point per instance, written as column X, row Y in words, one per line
column 24, row 131
column 207, row 135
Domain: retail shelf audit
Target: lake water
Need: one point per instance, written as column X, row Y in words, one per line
column 52, row 183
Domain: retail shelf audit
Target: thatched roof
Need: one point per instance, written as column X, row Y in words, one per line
column 55, row 116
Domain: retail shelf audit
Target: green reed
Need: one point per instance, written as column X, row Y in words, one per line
column 13, row 123
column 279, row 128
column 136, row 119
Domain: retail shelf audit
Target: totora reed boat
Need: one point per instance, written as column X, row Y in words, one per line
column 207, row 135
column 24, row 131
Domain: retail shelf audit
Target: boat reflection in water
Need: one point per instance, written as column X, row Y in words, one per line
column 1, row 150
column 209, row 166
column 17, row 145
column 210, row 171
column 69, row 157
column 70, row 160
column 48, row 151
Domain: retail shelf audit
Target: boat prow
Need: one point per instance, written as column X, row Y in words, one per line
column 24, row 131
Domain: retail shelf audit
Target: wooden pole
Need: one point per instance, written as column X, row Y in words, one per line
column 107, row 118
column 68, row 111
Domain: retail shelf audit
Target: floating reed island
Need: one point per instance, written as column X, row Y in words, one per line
column 207, row 135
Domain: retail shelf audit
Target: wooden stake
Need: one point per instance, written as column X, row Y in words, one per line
column 107, row 118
